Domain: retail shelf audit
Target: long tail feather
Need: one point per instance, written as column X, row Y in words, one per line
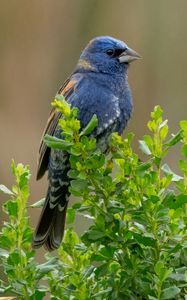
column 50, row 229
column 56, row 233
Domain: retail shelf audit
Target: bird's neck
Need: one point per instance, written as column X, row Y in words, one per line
column 85, row 66
column 114, row 82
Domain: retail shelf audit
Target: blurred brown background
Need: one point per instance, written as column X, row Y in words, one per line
column 40, row 42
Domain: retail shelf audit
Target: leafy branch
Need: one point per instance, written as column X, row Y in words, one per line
column 136, row 245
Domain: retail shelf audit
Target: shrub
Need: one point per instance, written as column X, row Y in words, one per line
column 136, row 246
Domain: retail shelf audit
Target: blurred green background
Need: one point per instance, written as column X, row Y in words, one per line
column 40, row 44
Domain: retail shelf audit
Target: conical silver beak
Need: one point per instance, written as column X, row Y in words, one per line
column 128, row 56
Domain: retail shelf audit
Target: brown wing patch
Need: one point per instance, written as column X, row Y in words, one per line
column 44, row 152
column 43, row 149
column 68, row 87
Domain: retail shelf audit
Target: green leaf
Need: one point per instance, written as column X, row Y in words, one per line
column 46, row 267
column 27, row 235
column 75, row 150
column 107, row 252
column 101, row 270
column 157, row 113
column 170, row 293
column 163, row 131
column 77, row 205
column 14, row 258
column 154, row 198
column 148, row 140
column 79, row 185
column 103, row 292
column 95, row 162
column 73, row 173
column 56, row 143
column 4, row 253
column 144, row 240
column 90, row 126
column 143, row 146
column 174, row 202
column 62, row 105
column 184, row 150
column 175, row 139
column 70, row 238
column 183, row 166
column 88, row 271
column 179, row 274
column 183, row 125
column 5, row 190
column 180, row 200
column 167, row 171
column 5, row 241
column 95, row 235
column 114, row 266
column 38, row 204
column 70, row 216
column 88, row 217
column 142, row 168
column 60, row 97
column 12, row 208
column 169, row 199
column 162, row 271
column 39, row 294
column 163, row 124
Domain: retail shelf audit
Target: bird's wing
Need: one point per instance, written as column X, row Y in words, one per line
column 66, row 90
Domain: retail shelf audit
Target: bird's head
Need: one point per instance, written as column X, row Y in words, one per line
column 107, row 55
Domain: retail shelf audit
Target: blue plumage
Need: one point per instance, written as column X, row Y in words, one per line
column 105, row 96
column 98, row 85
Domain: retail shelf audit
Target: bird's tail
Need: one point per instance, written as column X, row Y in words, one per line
column 50, row 229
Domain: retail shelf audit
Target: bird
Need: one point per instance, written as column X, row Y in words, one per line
column 98, row 85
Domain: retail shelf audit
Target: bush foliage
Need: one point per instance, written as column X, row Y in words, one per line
column 136, row 245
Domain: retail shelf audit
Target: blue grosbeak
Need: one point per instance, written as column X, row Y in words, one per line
column 98, row 85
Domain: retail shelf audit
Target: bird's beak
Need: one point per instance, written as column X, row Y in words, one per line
column 129, row 55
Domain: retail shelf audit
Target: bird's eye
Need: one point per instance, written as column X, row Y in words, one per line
column 110, row 52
